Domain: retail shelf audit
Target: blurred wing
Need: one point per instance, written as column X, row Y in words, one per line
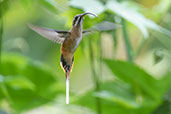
column 101, row 27
column 53, row 35
column 88, row 32
column 106, row 26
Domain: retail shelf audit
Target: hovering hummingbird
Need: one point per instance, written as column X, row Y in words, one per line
column 70, row 41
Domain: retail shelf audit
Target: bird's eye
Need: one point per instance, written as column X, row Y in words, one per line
column 76, row 17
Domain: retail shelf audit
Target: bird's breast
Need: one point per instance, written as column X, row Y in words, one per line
column 71, row 44
column 77, row 42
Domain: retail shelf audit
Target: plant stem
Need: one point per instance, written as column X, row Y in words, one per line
column 130, row 55
column 100, row 58
column 95, row 78
column 1, row 30
column 127, row 42
column 141, row 46
column 113, row 33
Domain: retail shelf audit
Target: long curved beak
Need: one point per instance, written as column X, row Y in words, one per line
column 82, row 15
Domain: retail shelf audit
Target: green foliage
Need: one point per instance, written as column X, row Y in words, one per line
column 85, row 5
column 26, row 84
column 132, row 91
column 143, row 84
column 49, row 4
column 3, row 7
column 164, row 108
column 127, row 42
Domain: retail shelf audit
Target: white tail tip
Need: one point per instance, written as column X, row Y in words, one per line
column 67, row 91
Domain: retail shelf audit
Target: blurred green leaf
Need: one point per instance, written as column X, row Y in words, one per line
column 86, row 100
column 26, row 3
column 19, row 82
column 165, row 107
column 130, row 14
column 122, row 97
column 4, row 6
column 132, row 74
column 128, row 46
column 88, row 5
column 28, row 84
column 50, row 5
column 150, row 89
column 116, row 97
column 135, row 92
column 163, row 6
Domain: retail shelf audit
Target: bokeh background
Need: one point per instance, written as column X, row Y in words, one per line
column 122, row 67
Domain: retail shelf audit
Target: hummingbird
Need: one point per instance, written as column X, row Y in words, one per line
column 69, row 41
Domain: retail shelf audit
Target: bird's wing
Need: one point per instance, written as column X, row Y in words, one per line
column 101, row 27
column 88, row 32
column 53, row 35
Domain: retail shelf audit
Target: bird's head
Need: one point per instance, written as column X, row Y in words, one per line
column 78, row 19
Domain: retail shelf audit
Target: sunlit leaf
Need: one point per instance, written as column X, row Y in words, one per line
column 88, row 5
column 116, row 98
column 163, row 6
column 136, row 18
column 120, row 93
column 137, row 77
column 113, row 94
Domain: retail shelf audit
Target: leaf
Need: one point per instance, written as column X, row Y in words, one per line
column 132, row 74
column 88, row 5
column 26, row 3
column 133, row 92
column 165, row 107
column 3, row 7
column 28, row 84
column 115, row 97
column 142, row 23
column 143, row 84
column 49, row 4
column 120, row 93
column 19, row 82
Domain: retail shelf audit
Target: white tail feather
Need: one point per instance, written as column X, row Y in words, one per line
column 67, row 91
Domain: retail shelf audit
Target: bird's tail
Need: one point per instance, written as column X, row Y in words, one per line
column 67, row 67
column 67, row 90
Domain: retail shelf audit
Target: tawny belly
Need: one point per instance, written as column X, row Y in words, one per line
column 70, row 45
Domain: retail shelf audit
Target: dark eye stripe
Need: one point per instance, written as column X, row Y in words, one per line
column 75, row 19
